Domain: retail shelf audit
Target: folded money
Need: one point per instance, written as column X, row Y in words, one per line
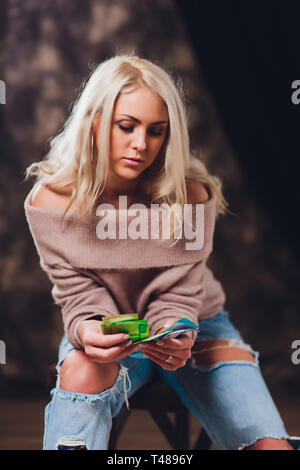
column 177, row 328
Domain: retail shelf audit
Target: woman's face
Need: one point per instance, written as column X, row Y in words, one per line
column 138, row 130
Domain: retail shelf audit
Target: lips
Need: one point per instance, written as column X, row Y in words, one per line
column 134, row 159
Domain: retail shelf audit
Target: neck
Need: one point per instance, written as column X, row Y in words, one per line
column 134, row 195
column 120, row 187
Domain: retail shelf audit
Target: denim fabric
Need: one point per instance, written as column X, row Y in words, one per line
column 230, row 399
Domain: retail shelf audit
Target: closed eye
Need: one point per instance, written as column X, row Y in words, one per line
column 130, row 129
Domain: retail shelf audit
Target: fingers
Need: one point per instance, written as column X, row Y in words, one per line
column 178, row 348
column 182, row 342
column 90, row 333
column 96, row 338
column 104, row 348
column 160, row 354
column 160, row 359
column 175, row 346
column 114, row 353
column 128, row 350
column 108, row 341
column 164, row 351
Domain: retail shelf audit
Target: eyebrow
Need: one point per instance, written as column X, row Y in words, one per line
column 138, row 121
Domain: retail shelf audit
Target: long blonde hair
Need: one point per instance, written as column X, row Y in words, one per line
column 71, row 159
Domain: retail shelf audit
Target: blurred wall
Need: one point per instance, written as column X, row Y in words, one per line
column 47, row 49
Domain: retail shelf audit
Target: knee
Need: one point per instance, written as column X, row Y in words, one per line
column 270, row 444
column 210, row 352
column 80, row 374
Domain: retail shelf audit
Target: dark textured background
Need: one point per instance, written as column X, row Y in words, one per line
column 228, row 56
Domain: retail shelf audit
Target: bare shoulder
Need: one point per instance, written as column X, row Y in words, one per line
column 47, row 198
column 196, row 192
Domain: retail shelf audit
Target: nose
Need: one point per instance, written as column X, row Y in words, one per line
column 139, row 141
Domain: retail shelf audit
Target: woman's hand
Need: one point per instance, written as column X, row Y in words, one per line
column 176, row 350
column 103, row 348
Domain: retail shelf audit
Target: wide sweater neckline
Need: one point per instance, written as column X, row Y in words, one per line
column 82, row 248
column 58, row 211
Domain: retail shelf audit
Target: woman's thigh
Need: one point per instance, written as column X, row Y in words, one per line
column 223, row 387
column 85, row 419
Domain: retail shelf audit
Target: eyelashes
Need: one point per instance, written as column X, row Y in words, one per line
column 130, row 129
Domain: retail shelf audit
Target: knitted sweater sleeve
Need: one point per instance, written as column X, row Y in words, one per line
column 80, row 297
column 177, row 293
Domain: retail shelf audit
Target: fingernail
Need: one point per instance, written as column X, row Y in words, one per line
column 128, row 343
column 126, row 336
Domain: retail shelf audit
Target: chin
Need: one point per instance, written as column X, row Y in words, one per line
column 129, row 174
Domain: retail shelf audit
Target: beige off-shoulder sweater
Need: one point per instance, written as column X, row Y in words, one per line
column 95, row 277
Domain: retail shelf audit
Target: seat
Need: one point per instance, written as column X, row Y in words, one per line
column 158, row 399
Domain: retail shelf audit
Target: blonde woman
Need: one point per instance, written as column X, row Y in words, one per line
column 125, row 146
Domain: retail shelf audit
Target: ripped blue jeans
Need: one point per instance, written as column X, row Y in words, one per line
column 223, row 389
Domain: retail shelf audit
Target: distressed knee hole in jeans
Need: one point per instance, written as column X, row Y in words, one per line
column 208, row 354
column 91, row 399
column 71, row 443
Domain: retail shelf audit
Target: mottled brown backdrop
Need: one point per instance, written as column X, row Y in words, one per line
column 46, row 49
